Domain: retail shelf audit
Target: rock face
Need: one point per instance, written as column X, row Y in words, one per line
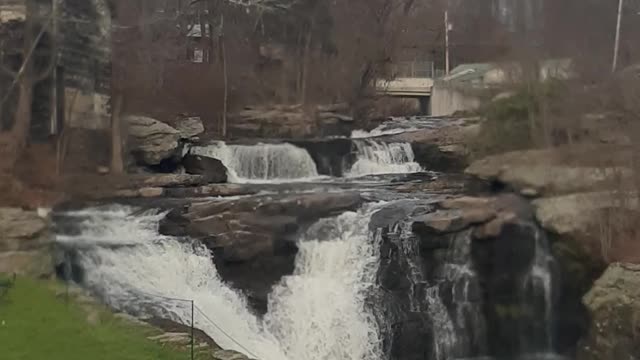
column 152, row 141
column 614, row 305
column 25, row 241
column 212, row 169
column 291, row 121
column 253, row 238
column 468, row 277
column 333, row 157
column 580, row 219
column 443, row 148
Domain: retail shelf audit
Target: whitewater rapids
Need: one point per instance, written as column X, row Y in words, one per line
column 318, row 313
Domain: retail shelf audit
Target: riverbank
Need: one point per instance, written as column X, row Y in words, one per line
column 40, row 320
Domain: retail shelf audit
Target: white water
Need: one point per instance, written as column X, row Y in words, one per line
column 374, row 158
column 540, row 278
column 318, row 313
column 262, row 162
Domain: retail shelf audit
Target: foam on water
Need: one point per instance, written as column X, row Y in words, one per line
column 262, row 163
column 318, row 313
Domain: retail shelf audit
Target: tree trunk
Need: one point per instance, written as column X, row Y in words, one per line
column 305, row 63
column 117, row 143
column 223, row 54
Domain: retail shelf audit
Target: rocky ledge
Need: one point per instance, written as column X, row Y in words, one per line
column 476, row 266
column 253, row 238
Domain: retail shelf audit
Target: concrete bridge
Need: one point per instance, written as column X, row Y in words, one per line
column 412, row 80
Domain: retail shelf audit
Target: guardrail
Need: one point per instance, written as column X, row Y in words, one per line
column 193, row 308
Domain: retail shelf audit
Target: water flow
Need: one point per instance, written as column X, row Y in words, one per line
column 262, row 162
column 463, row 283
column 424, row 295
column 375, row 157
column 539, row 282
column 318, row 313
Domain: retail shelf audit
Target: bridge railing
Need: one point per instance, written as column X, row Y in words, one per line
column 414, row 69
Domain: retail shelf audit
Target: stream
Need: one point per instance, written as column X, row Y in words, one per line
column 360, row 286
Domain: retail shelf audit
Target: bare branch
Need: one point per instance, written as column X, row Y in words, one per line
column 27, row 58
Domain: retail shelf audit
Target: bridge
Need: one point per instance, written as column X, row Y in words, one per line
column 412, row 79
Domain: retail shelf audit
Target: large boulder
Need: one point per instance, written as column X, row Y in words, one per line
column 25, row 240
column 212, row 169
column 614, row 305
column 189, row 127
column 152, row 141
column 253, row 238
column 555, row 171
column 584, row 220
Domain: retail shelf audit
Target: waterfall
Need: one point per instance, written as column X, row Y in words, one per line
column 424, row 295
column 539, row 284
column 262, row 162
column 373, row 157
column 317, row 313
column 461, row 280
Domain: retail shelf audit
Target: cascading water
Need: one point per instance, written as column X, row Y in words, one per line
column 317, row 313
column 375, row 157
column 539, row 284
column 460, row 279
column 262, row 162
column 424, row 295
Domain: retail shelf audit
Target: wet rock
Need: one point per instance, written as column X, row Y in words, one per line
column 216, row 190
column 493, row 228
column 212, row 169
column 151, row 192
column 228, row 355
column 152, row 141
column 25, row 241
column 332, row 156
column 449, row 158
column 172, row 180
column 614, row 305
column 252, row 238
column 449, row 221
column 465, row 202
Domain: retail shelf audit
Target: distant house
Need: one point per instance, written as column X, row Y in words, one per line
column 76, row 93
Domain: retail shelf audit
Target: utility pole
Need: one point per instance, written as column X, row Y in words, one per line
column 616, row 47
column 55, row 111
column 447, row 66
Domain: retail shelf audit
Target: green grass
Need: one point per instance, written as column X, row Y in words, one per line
column 35, row 324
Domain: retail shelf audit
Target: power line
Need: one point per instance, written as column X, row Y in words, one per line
column 248, row 352
column 227, row 335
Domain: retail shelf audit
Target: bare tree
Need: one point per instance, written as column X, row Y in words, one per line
column 25, row 78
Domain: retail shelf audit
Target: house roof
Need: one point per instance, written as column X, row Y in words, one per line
column 12, row 12
column 468, row 72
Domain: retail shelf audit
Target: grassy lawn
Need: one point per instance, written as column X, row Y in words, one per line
column 35, row 324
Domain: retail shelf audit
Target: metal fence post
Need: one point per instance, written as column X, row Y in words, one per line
column 192, row 324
